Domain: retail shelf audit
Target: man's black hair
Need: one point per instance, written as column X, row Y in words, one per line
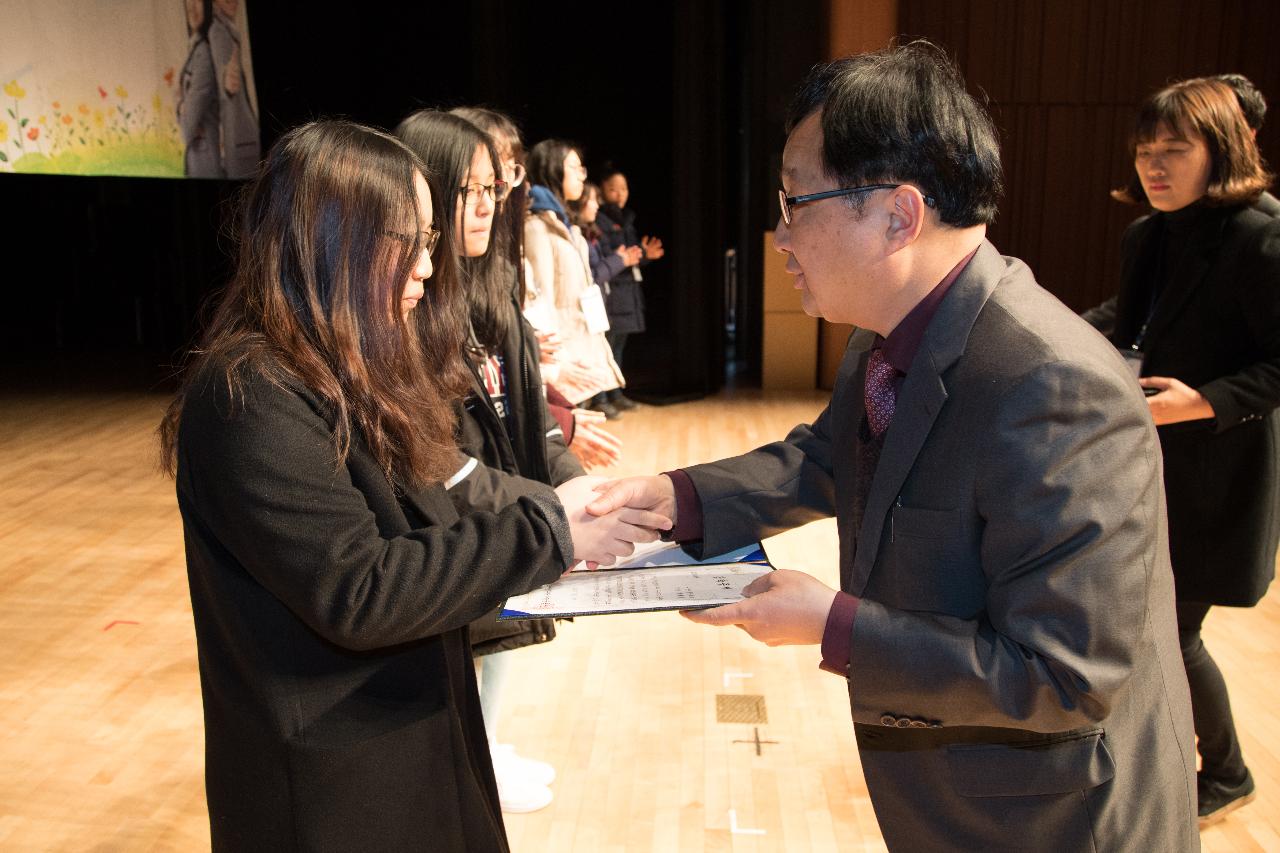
column 1252, row 104
column 903, row 114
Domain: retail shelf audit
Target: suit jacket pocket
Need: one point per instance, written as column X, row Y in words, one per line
column 917, row 523
column 930, row 563
column 1058, row 764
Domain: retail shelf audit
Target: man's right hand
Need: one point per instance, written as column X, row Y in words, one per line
column 601, row 538
column 655, row 493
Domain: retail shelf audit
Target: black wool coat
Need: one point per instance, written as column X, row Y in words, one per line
column 340, row 703
column 531, row 451
column 1216, row 327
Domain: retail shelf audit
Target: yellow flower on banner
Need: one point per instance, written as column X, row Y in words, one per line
column 98, row 118
column 41, row 121
column 121, row 93
column 13, row 90
column 156, row 103
column 4, row 132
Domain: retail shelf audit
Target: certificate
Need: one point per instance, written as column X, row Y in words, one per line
column 659, row 553
column 658, row 576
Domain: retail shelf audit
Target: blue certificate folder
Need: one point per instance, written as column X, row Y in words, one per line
column 659, row 576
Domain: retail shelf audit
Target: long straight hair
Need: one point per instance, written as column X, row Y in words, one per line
column 546, row 164
column 446, row 144
column 328, row 235
column 509, row 220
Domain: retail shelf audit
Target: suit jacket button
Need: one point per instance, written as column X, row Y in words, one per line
column 919, row 724
column 904, row 722
column 888, row 720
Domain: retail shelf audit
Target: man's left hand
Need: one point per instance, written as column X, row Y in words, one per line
column 1176, row 402
column 782, row 608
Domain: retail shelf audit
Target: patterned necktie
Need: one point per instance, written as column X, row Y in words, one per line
column 878, row 394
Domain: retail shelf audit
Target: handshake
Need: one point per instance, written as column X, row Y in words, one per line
column 608, row 517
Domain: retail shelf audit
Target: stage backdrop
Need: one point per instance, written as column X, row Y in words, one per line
column 160, row 88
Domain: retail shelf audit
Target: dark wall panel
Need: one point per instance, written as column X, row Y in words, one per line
column 1063, row 78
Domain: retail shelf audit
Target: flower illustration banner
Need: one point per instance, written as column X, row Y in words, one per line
column 159, row 88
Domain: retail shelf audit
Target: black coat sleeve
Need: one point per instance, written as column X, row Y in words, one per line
column 263, row 496
column 1254, row 390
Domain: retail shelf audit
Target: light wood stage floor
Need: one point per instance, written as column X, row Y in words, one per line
column 101, row 704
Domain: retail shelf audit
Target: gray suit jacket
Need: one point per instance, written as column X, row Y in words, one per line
column 1015, row 679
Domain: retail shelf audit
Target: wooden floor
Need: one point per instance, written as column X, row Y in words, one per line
column 100, row 704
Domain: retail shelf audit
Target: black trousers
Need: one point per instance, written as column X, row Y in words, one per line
column 617, row 343
column 1220, row 757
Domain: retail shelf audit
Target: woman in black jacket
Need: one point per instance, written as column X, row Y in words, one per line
column 505, row 424
column 332, row 579
column 1198, row 317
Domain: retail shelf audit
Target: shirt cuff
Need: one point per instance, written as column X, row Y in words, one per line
column 555, row 398
column 837, row 637
column 688, row 527
column 564, row 417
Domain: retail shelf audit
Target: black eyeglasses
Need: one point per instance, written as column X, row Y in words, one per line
column 496, row 191
column 787, row 202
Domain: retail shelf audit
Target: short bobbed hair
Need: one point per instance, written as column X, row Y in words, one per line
column 902, row 115
column 1207, row 107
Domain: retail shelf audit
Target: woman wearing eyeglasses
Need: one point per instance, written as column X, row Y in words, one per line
column 1198, row 318
column 505, row 425
column 332, row 578
column 564, row 298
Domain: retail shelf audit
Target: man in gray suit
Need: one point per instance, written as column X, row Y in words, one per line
column 1006, row 619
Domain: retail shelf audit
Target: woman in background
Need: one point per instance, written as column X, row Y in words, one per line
column 605, row 262
column 563, row 295
column 583, row 429
column 505, row 424
column 332, row 579
column 1198, row 317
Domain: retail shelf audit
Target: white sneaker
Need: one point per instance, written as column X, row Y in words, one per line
column 519, row 796
column 505, row 757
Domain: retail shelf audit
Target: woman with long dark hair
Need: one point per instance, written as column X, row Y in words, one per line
column 505, row 424
column 332, row 578
column 1198, row 317
column 583, row 428
column 563, row 295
